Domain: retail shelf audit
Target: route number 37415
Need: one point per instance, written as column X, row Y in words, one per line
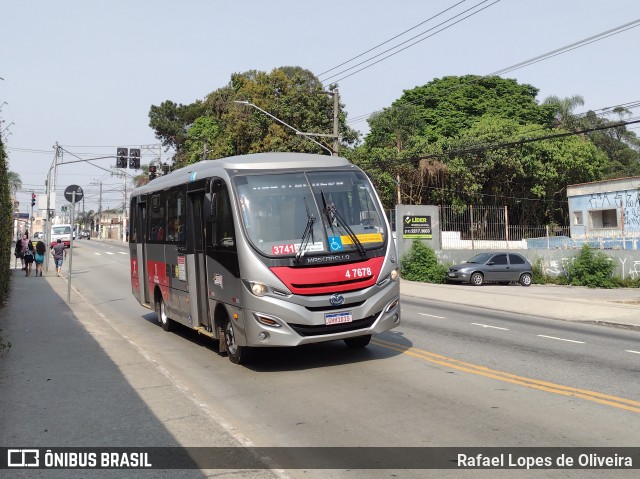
column 357, row 273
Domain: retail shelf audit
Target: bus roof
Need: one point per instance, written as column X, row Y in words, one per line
column 255, row 161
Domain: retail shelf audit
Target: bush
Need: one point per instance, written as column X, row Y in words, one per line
column 593, row 269
column 421, row 264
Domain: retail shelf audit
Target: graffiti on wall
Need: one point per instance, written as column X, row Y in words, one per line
column 628, row 200
column 558, row 267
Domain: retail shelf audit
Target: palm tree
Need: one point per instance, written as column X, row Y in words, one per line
column 15, row 183
column 564, row 110
column 84, row 218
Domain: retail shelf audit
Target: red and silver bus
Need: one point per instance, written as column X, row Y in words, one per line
column 270, row 249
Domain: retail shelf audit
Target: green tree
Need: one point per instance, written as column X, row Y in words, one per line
column 563, row 110
column 15, row 182
column 9, row 183
column 220, row 127
column 621, row 145
column 451, row 105
column 84, row 218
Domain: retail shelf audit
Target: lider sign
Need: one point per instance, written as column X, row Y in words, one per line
column 416, row 227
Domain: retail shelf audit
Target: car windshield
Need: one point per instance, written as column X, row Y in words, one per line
column 480, row 258
column 292, row 214
column 61, row 230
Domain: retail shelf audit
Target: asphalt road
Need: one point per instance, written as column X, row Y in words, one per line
column 449, row 376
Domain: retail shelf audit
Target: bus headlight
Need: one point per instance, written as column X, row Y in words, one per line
column 395, row 275
column 259, row 289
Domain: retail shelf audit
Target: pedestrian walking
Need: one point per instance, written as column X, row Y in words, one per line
column 28, row 253
column 18, row 252
column 59, row 253
column 41, row 250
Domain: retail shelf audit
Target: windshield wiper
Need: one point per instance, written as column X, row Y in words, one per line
column 332, row 210
column 308, row 232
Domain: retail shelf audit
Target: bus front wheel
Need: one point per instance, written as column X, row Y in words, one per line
column 165, row 321
column 237, row 354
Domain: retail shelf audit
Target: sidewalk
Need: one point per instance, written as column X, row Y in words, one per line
column 620, row 307
column 71, row 380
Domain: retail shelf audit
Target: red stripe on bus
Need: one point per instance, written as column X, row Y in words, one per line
column 330, row 279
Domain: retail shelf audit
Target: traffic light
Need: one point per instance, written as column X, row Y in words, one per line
column 121, row 160
column 33, row 199
column 152, row 172
column 134, row 158
column 166, row 169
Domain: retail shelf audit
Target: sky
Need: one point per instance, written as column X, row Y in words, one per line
column 84, row 74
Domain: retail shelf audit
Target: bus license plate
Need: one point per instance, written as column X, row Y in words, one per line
column 338, row 318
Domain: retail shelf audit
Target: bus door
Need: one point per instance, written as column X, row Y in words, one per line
column 141, row 250
column 196, row 260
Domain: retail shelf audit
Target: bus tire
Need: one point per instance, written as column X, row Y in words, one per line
column 358, row 342
column 165, row 321
column 236, row 354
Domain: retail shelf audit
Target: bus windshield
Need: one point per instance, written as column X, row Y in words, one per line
column 293, row 214
column 61, row 230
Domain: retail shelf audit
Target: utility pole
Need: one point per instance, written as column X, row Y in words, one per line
column 100, row 213
column 336, row 130
column 124, row 211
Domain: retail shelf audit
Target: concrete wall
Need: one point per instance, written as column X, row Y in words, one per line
column 555, row 262
column 404, row 237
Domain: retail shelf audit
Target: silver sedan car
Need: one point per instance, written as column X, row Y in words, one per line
column 495, row 267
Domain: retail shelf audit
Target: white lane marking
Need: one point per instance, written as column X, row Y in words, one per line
column 561, row 339
column 432, row 316
column 99, row 254
column 488, row 326
column 632, row 351
column 109, row 252
column 122, row 252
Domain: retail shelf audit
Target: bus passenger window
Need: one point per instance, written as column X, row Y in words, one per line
column 223, row 229
column 176, row 214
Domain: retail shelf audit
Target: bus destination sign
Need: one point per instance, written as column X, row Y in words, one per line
column 416, row 227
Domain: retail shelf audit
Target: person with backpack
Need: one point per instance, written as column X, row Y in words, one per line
column 18, row 253
column 41, row 250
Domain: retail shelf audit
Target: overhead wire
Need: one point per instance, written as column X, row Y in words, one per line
column 410, row 45
column 536, row 59
column 391, row 39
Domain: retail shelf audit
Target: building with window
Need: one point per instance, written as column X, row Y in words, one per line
column 606, row 213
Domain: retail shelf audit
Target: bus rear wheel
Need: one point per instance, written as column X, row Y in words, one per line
column 237, row 354
column 165, row 321
column 358, row 342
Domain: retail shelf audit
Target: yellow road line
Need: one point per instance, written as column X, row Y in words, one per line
column 560, row 389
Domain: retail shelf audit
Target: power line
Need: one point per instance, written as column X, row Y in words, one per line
column 410, row 45
column 568, row 48
column 526, row 140
column 544, row 56
column 391, row 39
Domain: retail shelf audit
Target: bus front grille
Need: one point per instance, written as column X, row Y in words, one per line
column 306, row 330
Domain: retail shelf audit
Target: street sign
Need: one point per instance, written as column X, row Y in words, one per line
column 68, row 193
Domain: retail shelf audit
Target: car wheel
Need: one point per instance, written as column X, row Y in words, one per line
column 237, row 354
column 477, row 279
column 358, row 342
column 525, row 279
column 165, row 321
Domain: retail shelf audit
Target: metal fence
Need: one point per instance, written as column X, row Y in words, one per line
column 487, row 227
